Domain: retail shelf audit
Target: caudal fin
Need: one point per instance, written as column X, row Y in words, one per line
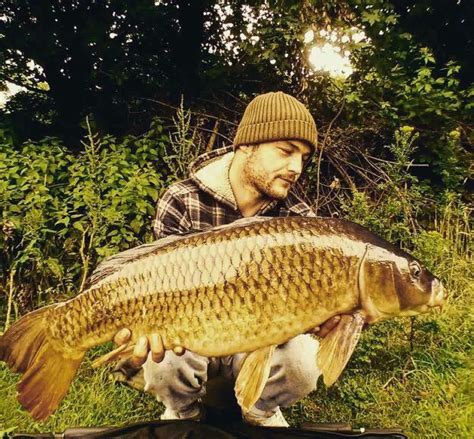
column 47, row 370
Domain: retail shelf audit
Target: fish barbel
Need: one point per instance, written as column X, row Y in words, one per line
column 244, row 287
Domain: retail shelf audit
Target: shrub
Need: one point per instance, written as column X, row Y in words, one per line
column 62, row 213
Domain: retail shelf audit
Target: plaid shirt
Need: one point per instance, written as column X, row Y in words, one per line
column 192, row 206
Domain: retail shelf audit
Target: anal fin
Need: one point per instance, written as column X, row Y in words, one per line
column 122, row 351
column 337, row 347
column 253, row 376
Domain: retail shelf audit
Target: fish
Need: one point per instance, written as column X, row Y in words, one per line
column 247, row 286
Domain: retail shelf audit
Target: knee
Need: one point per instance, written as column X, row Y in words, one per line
column 293, row 375
column 297, row 362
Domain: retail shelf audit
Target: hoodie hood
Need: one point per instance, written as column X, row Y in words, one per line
column 210, row 171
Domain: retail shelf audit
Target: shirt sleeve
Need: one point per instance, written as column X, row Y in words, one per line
column 171, row 216
column 294, row 205
column 305, row 210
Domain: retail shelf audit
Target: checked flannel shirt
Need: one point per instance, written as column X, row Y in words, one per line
column 205, row 199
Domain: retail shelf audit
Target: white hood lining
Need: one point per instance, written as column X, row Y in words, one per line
column 215, row 176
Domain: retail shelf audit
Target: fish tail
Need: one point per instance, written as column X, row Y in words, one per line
column 28, row 348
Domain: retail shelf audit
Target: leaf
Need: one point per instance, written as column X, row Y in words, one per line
column 79, row 226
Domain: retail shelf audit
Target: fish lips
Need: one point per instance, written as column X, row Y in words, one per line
column 437, row 295
column 436, row 300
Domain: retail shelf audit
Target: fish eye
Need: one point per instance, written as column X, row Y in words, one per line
column 415, row 269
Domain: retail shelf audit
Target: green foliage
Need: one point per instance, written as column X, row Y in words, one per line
column 236, row 49
column 63, row 213
column 399, row 195
column 400, row 82
column 185, row 145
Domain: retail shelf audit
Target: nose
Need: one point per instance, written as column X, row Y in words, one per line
column 296, row 164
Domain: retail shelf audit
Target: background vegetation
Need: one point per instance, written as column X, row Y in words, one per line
column 102, row 128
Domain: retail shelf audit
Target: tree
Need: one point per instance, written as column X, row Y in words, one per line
column 99, row 55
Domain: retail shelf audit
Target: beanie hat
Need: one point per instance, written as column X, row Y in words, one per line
column 276, row 116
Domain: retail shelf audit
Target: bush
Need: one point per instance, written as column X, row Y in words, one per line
column 62, row 213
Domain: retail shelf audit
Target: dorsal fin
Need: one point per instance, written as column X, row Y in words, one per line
column 114, row 263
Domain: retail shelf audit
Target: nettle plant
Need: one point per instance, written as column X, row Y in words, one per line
column 63, row 213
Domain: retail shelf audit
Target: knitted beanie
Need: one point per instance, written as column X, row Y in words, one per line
column 276, row 116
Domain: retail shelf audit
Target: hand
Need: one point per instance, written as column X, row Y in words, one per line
column 326, row 327
column 143, row 346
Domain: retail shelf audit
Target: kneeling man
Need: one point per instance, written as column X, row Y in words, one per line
column 255, row 176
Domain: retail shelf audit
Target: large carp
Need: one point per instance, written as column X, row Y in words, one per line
column 243, row 287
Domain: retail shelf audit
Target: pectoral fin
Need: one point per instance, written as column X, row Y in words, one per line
column 253, row 376
column 336, row 348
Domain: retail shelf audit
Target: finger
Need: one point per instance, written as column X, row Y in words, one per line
column 328, row 326
column 140, row 352
column 178, row 350
column 123, row 336
column 157, row 349
column 125, row 353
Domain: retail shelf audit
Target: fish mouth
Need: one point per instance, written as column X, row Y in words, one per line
column 437, row 294
column 435, row 302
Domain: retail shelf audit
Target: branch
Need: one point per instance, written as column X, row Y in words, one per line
column 217, row 104
column 236, row 98
column 193, row 112
column 84, row 258
column 212, row 139
column 28, row 87
column 206, row 130
column 326, row 134
column 10, row 299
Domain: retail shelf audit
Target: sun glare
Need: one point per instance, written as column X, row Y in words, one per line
column 329, row 59
column 11, row 89
column 328, row 50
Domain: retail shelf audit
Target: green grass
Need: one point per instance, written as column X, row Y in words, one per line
column 93, row 400
column 426, row 391
column 414, row 374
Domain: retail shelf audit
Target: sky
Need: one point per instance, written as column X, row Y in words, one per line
column 11, row 90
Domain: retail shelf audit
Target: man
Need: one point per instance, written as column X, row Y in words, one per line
column 275, row 138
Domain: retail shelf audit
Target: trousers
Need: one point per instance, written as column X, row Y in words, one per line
column 180, row 381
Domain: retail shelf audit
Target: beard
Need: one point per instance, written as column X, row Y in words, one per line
column 267, row 186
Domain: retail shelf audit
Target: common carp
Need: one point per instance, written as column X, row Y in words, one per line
column 244, row 287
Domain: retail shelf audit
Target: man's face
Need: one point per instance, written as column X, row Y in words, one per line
column 273, row 167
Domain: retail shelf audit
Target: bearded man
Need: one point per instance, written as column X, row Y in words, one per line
column 255, row 176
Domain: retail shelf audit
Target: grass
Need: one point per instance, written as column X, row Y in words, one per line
column 411, row 373
column 426, row 391
column 93, row 400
